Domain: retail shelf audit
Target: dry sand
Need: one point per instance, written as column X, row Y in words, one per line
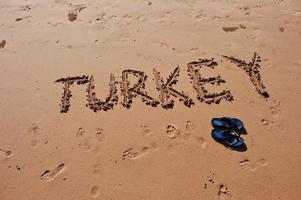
column 146, row 152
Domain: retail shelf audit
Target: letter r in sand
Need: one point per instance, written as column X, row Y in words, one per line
column 137, row 89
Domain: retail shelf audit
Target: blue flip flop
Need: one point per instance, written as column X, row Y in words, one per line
column 227, row 123
column 229, row 138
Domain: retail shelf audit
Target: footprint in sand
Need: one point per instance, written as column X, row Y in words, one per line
column 6, row 154
column 86, row 144
column 189, row 128
column 19, row 167
column 34, row 133
column 100, row 134
column 95, row 191
column 247, row 164
column 171, row 148
column 80, row 132
column 100, row 137
column 266, row 123
column 172, row 131
column 146, row 131
column 96, row 169
column 49, row 175
column 202, row 142
column 164, row 45
column 178, row 136
column 210, row 180
column 275, row 107
column 194, row 50
column 25, row 8
column 224, row 193
column 96, row 149
column 132, row 154
column 263, row 162
column 154, row 145
column 200, row 15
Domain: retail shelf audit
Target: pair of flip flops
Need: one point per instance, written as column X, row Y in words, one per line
column 227, row 131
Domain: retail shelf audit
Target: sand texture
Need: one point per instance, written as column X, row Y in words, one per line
column 112, row 99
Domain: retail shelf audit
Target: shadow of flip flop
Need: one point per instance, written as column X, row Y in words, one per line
column 241, row 148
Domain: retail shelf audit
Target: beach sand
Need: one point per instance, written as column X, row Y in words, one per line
column 126, row 149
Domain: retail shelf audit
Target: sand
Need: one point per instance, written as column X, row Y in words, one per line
column 135, row 121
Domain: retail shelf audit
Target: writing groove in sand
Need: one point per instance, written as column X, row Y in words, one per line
column 165, row 88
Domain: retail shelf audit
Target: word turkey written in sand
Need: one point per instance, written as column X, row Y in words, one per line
column 164, row 88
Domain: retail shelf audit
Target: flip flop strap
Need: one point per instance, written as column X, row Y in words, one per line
column 232, row 132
